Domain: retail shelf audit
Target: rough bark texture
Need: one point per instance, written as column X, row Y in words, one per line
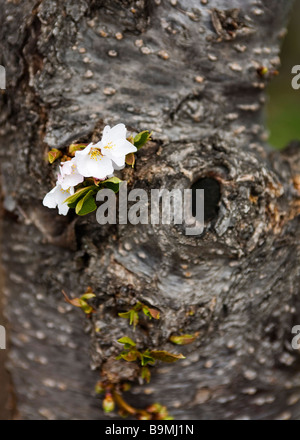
column 67, row 76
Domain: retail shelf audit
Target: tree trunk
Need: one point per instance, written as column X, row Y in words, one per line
column 193, row 72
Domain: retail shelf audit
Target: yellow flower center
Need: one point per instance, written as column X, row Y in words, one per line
column 109, row 146
column 95, row 154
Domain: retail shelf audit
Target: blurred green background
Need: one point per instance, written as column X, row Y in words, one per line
column 283, row 107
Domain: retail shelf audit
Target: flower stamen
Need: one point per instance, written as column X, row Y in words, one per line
column 95, row 154
column 109, row 146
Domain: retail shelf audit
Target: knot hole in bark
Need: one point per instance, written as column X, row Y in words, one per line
column 212, row 197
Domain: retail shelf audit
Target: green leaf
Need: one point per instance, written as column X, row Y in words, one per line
column 138, row 306
column 87, row 204
column 146, row 358
column 145, row 374
column 54, row 154
column 183, row 339
column 76, row 147
column 165, row 356
column 73, row 200
column 115, row 187
column 113, row 183
column 125, row 315
column 134, row 318
column 88, row 296
column 142, row 138
column 151, row 313
column 80, row 302
column 146, row 312
column 126, row 340
column 112, row 180
column 132, row 315
column 85, row 307
column 129, row 356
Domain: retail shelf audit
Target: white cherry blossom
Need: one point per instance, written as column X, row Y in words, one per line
column 92, row 163
column 115, row 146
column 56, row 198
column 69, row 175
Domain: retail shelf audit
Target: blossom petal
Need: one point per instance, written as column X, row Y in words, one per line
column 118, row 162
column 118, row 149
column 50, row 199
column 105, row 133
column 83, row 153
column 66, row 167
column 57, row 197
column 71, row 180
column 69, row 175
column 99, row 169
column 61, row 196
column 113, row 134
column 63, row 209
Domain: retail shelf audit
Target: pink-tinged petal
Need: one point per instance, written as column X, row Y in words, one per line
column 60, row 179
column 69, row 175
column 66, row 167
column 71, row 180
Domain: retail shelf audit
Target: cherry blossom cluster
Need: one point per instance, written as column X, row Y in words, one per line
column 96, row 161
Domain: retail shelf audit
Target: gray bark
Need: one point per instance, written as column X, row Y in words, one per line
column 66, row 80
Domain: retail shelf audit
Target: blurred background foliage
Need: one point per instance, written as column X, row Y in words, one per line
column 283, row 106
